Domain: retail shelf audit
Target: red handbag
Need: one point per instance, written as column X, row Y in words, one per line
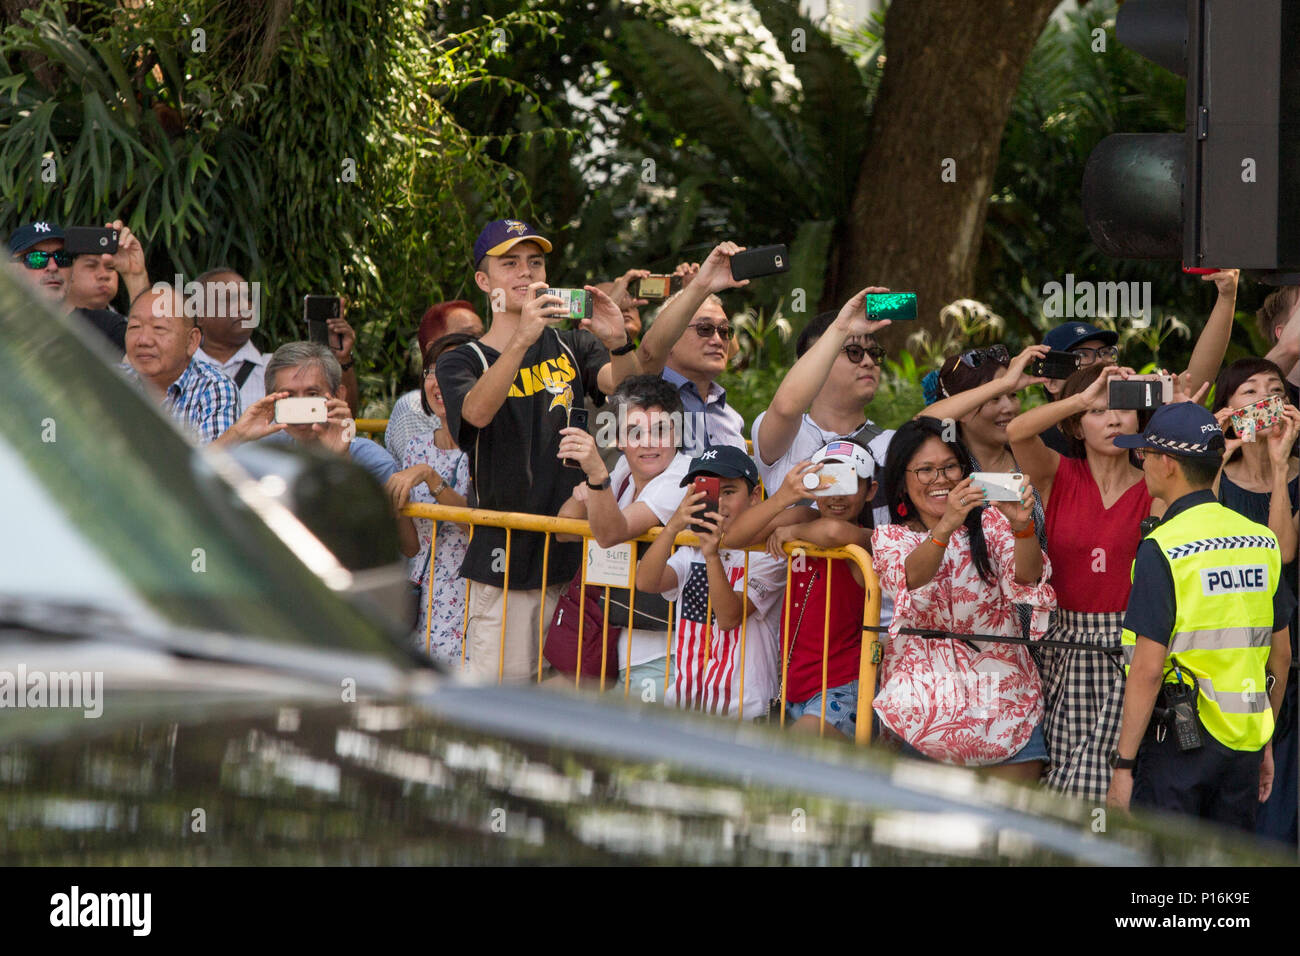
column 561, row 647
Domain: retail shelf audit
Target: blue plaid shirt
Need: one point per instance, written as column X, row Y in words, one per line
column 203, row 400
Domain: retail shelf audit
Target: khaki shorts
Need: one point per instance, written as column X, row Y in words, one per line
column 523, row 610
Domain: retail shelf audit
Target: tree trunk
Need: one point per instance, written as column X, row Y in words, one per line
column 950, row 77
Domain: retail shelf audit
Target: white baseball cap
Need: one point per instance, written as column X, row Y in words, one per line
column 848, row 451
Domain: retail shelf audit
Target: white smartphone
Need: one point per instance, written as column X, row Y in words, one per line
column 300, row 411
column 1000, row 485
column 846, row 479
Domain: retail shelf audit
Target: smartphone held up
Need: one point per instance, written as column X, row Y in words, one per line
column 317, row 310
column 711, row 486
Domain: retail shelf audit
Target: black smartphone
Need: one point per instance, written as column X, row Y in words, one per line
column 1139, row 393
column 316, row 311
column 763, row 261
column 1055, row 364
column 577, row 419
column 711, row 486
column 90, row 240
column 657, row 287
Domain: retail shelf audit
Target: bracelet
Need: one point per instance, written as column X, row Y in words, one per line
column 348, row 364
column 442, row 486
column 942, row 544
column 1029, row 532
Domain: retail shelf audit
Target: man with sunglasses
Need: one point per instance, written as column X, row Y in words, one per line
column 36, row 253
column 694, row 364
column 824, row 395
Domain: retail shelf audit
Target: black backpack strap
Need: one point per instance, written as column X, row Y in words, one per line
column 245, row 370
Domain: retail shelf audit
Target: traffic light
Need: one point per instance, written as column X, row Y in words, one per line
column 1223, row 193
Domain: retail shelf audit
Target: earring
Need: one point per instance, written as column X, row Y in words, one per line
column 902, row 508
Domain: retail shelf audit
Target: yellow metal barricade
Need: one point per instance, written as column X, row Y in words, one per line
column 370, row 427
column 548, row 526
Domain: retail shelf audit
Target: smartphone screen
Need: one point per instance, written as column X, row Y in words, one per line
column 316, row 310
column 711, row 487
column 896, row 306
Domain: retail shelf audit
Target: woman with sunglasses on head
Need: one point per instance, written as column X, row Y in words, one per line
column 1094, row 503
column 951, row 563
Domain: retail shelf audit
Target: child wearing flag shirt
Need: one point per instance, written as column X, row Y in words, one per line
column 718, row 671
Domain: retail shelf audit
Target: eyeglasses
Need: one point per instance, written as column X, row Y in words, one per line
column 39, row 259
column 1141, row 454
column 1107, row 353
column 430, row 372
column 705, row 331
column 994, row 353
column 928, row 474
column 855, row 353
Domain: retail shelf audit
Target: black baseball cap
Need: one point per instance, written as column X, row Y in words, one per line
column 725, row 461
column 1065, row 337
column 24, row 237
column 1184, row 429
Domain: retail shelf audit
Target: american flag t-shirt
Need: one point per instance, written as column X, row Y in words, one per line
column 707, row 675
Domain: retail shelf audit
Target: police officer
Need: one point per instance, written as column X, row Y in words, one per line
column 1205, row 638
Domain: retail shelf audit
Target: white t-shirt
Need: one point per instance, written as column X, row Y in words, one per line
column 662, row 494
column 807, row 440
column 715, row 687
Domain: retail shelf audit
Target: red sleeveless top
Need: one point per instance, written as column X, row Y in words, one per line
column 1092, row 548
column 808, row 595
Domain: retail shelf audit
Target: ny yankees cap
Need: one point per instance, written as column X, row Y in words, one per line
column 1184, row 429
column 725, row 461
column 24, row 237
column 500, row 234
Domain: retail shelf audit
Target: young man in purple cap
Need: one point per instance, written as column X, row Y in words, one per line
column 1205, row 638
column 508, row 398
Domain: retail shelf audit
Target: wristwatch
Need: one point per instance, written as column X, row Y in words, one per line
column 602, row 486
column 1121, row 763
column 348, row 364
column 623, row 349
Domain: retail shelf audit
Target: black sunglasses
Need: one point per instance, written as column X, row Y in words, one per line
column 705, row 331
column 39, row 259
column 855, row 353
column 994, row 353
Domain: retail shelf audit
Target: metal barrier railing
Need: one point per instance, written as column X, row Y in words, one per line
column 548, row 526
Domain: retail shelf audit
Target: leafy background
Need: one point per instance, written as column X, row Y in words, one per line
column 636, row 134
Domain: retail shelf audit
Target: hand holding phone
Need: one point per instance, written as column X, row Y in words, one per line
column 90, row 240
column 577, row 419
column 576, row 304
column 762, row 261
column 1140, row 392
column 317, row 310
column 1251, row 419
column 301, row 411
column 999, row 485
column 1055, row 364
column 895, row 306
column 657, row 286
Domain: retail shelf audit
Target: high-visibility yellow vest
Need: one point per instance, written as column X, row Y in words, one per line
column 1225, row 569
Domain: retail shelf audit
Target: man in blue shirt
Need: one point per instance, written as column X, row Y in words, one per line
column 160, row 344
column 693, row 366
column 311, row 370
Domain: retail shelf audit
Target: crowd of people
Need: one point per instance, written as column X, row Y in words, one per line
column 1049, row 637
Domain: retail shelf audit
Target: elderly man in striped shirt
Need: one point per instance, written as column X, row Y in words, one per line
column 161, row 340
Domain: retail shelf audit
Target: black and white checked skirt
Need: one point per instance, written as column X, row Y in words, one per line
column 1083, row 693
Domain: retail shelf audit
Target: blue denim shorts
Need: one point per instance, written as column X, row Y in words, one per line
column 1034, row 749
column 841, row 708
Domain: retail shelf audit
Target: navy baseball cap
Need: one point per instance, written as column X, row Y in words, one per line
column 725, row 461
column 1183, row 428
column 25, row 237
column 1065, row 337
column 500, row 234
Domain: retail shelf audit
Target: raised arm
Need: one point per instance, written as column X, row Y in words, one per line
column 758, row 521
column 1016, row 378
column 807, row 376
column 1286, row 351
column 484, row 400
column 1212, row 343
column 653, row 576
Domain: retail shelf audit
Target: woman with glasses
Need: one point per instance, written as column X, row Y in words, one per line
column 1094, row 503
column 951, row 563
column 435, row 471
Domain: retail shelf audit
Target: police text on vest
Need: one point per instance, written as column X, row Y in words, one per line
column 1241, row 577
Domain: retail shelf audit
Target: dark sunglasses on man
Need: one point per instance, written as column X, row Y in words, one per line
column 39, row 259
column 856, row 352
column 705, row 331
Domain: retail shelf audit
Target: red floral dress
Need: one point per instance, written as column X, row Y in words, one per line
column 950, row 701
